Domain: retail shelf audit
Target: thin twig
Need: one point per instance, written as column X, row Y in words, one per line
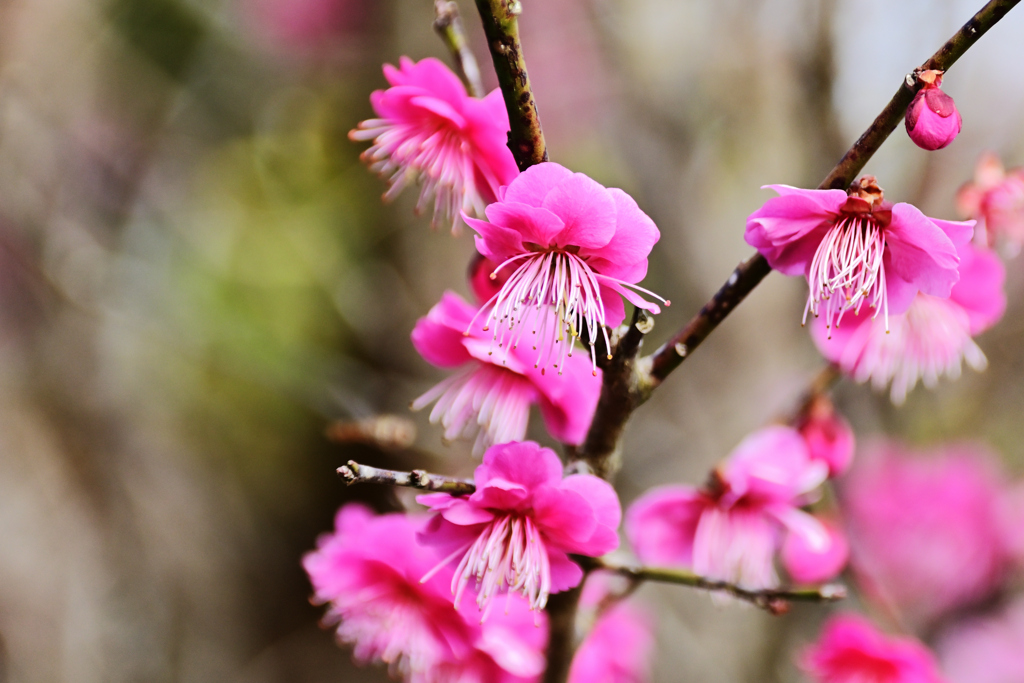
column 775, row 600
column 448, row 25
column 353, row 473
column 501, row 26
column 753, row 270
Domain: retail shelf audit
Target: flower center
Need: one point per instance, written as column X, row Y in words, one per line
column 439, row 158
column 509, row 552
column 848, row 262
column 490, row 400
column 930, row 341
column 557, row 279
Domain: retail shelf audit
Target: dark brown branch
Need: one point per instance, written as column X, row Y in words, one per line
column 353, row 473
column 448, row 26
column 501, row 26
column 621, row 393
column 751, row 272
column 775, row 600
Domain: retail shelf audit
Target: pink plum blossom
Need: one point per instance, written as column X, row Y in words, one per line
column 996, row 199
column 852, row 650
column 855, row 248
column 987, row 649
column 368, row 572
column 932, row 118
column 430, row 130
column 925, row 528
column 931, row 339
column 520, row 524
column 732, row 528
column 828, row 435
column 571, row 245
column 618, row 647
column 491, row 393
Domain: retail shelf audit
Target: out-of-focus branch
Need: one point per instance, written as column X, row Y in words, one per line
column 353, row 473
column 819, row 386
column 750, row 273
column 775, row 600
column 448, row 25
column 501, row 26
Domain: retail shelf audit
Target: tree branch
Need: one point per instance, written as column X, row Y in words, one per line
column 448, row 26
column 353, row 473
column 775, row 600
column 501, row 26
column 750, row 273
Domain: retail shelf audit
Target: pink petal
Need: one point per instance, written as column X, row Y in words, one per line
column 771, row 464
column 493, row 241
column 787, row 229
column 980, row 289
column 568, row 400
column 920, row 253
column 535, row 225
column 500, row 494
column 624, row 257
column 807, row 564
column 564, row 517
column 438, row 337
column 533, row 184
column 661, row 524
column 565, row 573
column 524, row 463
column 587, row 209
column 604, row 502
column 614, row 309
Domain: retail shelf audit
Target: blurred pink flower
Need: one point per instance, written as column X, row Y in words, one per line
column 996, row 199
column 731, row 529
column 986, row 649
column 932, row 119
column 808, row 564
column 852, row 650
column 828, row 436
column 855, row 248
column 930, row 340
column 619, row 646
column 305, row 24
column 430, row 130
column 519, row 526
column 925, row 529
column 493, row 392
column 572, row 245
column 368, row 572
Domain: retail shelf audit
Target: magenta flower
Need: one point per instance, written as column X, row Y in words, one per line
column 430, row 130
column 986, row 649
column 856, row 248
column 996, row 199
column 932, row 119
column 828, row 436
column 519, row 526
column 368, row 572
column 931, row 339
column 619, row 646
column 731, row 529
column 492, row 393
column 925, row 529
column 852, row 650
column 571, row 245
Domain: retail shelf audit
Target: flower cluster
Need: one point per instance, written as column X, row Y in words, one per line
column 897, row 298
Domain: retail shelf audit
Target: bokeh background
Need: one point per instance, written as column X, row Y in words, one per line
column 197, row 277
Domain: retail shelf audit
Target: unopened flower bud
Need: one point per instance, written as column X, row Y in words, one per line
column 932, row 119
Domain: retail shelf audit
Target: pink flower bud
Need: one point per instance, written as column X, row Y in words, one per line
column 932, row 119
column 828, row 436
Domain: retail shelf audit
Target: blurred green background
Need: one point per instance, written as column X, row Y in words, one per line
column 197, row 277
